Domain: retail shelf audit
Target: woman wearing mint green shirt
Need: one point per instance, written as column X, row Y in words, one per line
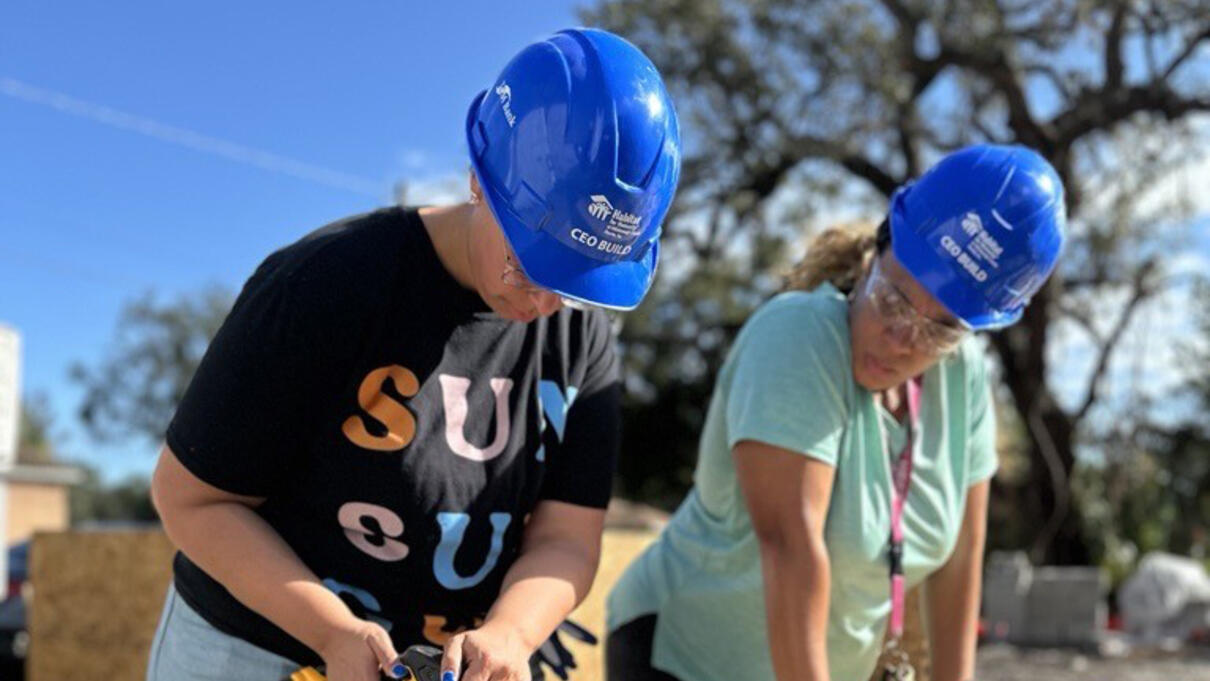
column 848, row 448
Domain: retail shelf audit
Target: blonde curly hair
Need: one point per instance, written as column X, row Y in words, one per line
column 838, row 255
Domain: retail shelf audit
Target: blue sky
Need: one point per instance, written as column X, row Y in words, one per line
column 167, row 146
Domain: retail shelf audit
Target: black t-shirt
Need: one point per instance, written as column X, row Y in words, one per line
column 400, row 432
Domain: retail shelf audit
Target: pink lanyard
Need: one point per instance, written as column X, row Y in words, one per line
column 901, row 479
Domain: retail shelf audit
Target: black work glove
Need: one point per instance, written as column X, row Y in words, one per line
column 555, row 655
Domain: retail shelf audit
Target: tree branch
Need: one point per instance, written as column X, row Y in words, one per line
column 1190, row 47
column 1142, row 291
column 1113, row 47
column 868, row 171
column 907, row 143
column 903, row 16
column 1081, row 317
column 995, row 67
column 1053, row 76
column 764, row 181
column 1101, row 109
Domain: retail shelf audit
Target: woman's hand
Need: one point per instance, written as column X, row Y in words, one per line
column 358, row 652
column 558, row 559
column 493, row 652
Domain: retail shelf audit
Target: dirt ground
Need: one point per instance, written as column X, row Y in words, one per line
column 1005, row 663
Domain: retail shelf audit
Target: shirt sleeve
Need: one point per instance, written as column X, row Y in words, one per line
column 982, row 448
column 582, row 471
column 790, row 371
column 244, row 417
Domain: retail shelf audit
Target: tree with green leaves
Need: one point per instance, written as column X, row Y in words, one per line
column 801, row 112
column 91, row 500
column 134, row 390
column 126, row 501
column 34, row 440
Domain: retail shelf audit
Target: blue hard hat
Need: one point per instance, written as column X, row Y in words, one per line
column 981, row 231
column 578, row 152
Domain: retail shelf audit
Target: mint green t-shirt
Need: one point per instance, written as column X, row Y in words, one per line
column 788, row 382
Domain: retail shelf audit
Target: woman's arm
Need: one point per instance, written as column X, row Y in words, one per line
column 558, row 562
column 788, row 495
column 222, row 534
column 952, row 595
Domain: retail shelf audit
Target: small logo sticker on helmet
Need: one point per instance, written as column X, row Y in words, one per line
column 982, row 244
column 619, row 223
column 505, row 93
column 971, row 224
column 600, row 207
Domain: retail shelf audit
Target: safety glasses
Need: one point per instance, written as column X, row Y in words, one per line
column 515, row 277
column 923, row 333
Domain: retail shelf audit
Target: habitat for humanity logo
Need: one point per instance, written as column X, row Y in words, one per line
column 621, row 225
column 505, row 93
column 981, row 251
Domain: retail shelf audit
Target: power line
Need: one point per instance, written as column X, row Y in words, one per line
column 59, row 267
column 206, row 144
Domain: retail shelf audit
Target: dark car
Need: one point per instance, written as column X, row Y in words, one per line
column 14, row 636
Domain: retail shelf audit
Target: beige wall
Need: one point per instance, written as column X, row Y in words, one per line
column 35, row 507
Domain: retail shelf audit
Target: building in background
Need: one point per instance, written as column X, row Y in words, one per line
column 38, row 499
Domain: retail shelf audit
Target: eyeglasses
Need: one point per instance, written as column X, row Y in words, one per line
column 515, row 277
column 922, row 333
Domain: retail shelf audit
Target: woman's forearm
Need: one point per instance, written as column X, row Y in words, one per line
column 241, row 551
column 548, row 580
column 952, row 596
column 797, row 585
column 952, row 602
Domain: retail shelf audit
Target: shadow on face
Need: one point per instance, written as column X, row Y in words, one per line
column 496, row 274
column 885, row 352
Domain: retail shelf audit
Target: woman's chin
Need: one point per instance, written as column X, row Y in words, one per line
column 873, row 375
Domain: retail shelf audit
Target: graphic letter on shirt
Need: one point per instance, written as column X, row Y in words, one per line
column 438, row 630
column 379, row 539
column 555, row 405
column 369, row 604
column 453, row 393
column 390, row 414
column 453, row 528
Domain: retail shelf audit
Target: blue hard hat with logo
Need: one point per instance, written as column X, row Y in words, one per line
column 578, row 152
column 981, row 231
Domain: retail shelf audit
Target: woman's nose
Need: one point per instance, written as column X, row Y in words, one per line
column 901, row 337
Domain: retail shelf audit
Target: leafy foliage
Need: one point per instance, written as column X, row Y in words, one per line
column 135, row 388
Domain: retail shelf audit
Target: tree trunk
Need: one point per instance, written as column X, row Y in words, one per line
column 1021, row 349
column 1060, row 539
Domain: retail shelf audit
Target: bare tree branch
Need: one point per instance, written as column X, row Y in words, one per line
column 1101, row 110
column 907, row 142
column 1113, row 47
column 1050, row 73
column 1191, row 46
column 1142, row 289
column 995, row 67
column 1080, row 315
column 865, row 169
column 1060, row 488
column 903, row 16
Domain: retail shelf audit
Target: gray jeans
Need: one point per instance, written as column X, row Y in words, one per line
column 188, row 648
